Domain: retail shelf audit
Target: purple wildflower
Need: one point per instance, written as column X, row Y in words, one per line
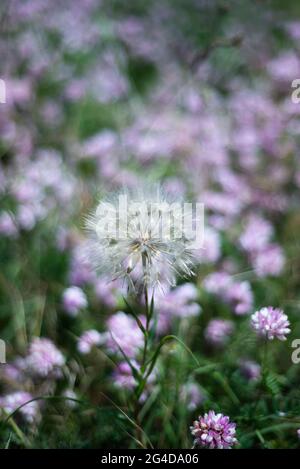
column 81, row 271
column 214, row 431
column 250, row 370
column 44, row 358
column 107, row 291
column 14, row 371
column 256, row 235
column 180, row 302
column 284, row 68
column 12, row 401
column 293, row 28
column 74, row 299
column 271, row 322
column 218, row 331
column 211, row 250
column 7, row 225
column 124, row 333
column 239, row 296
column 217, row 282
column 123, row 377
column 88, row 339
column 192, row 395
column 269, row 261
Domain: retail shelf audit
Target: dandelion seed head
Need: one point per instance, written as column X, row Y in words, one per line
column 146, row 246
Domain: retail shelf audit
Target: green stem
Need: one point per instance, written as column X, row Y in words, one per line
column 143, row 379
column 18, row 432
column 273, row 428
column 264, row 364
column 264, row 373
column 146, row 334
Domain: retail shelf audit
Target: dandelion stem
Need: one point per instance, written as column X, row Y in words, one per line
column 143, row 380
column 146, row 297
column 146, row 334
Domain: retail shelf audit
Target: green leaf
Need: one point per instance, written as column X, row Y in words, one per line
column 138, row 321
column 272, row 384
column 164, row 340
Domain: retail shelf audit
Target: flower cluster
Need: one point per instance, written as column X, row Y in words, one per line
column 250, row 370
column 237, row 294
column 267, row 258
column 124, row 334
column 179, row 302
column 218, row 331
column 44, row 358
column 74, row 299
column 214, row 431
column 271, row 323
column 192, row 395
column 89, row 339
column 23, row 401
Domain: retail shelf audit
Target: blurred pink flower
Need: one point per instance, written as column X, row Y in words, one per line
column 250, row 369
column 7, row 225
column 191, row 395
column 124, row 332
column 12, row 401
column 269, row 261
column 256, row 235
column 44, row 359
column 211, row 250
column 89, row 339
column 237, row 294
column 284, row 68
column 218, row 331
column 180, row 302
column 74, row 299
column 122, row 375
